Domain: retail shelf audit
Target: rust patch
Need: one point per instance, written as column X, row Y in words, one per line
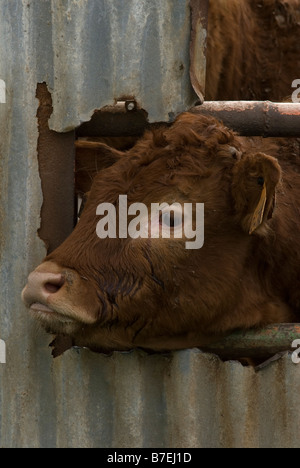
column 199, row 19
column 262, row 343
column 56, row 155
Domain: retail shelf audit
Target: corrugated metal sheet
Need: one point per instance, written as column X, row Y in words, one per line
column 81, row 399
column 92, row 52
column 183, row 400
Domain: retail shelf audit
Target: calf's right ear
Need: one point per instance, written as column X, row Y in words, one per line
column 255, row 178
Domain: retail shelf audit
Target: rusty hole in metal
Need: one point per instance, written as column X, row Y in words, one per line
column 118, row 126
column 56, row 168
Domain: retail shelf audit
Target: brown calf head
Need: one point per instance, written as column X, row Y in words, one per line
column 120, row 293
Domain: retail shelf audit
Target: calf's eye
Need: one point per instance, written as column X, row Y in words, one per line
column 171, row 219
column 260, row 181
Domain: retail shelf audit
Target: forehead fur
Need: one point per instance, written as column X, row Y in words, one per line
column 196, row 136
column 169, row 156
column 194, row 130
column 189, row 130
column 169, row 161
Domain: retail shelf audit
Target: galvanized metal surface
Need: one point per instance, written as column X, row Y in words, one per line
column 185, row 399
column 92, row 53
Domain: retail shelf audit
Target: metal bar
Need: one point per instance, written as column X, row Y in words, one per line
column 248, row 118
column 255, row 118
column 262, row 343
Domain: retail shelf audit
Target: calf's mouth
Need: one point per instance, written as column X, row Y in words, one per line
column 44, row 313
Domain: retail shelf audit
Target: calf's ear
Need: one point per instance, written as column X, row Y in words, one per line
column 255, row 178
column 96, row 153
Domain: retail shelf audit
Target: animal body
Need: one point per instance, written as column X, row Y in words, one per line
column 253, row 49
column 154, row 293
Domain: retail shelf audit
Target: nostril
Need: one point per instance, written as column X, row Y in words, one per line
column 51, row 288
column 41, row 286
column 54, row 285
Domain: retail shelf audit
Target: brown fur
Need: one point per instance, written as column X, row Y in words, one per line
column 253, row 49
column 155, row 294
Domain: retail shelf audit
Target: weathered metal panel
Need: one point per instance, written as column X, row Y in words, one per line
column 187, row 399
column 105, row 50
column 81, row 399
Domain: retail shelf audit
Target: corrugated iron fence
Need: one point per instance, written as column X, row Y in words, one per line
column 81, row 399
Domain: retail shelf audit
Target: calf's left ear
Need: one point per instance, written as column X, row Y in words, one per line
column 255, row 178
